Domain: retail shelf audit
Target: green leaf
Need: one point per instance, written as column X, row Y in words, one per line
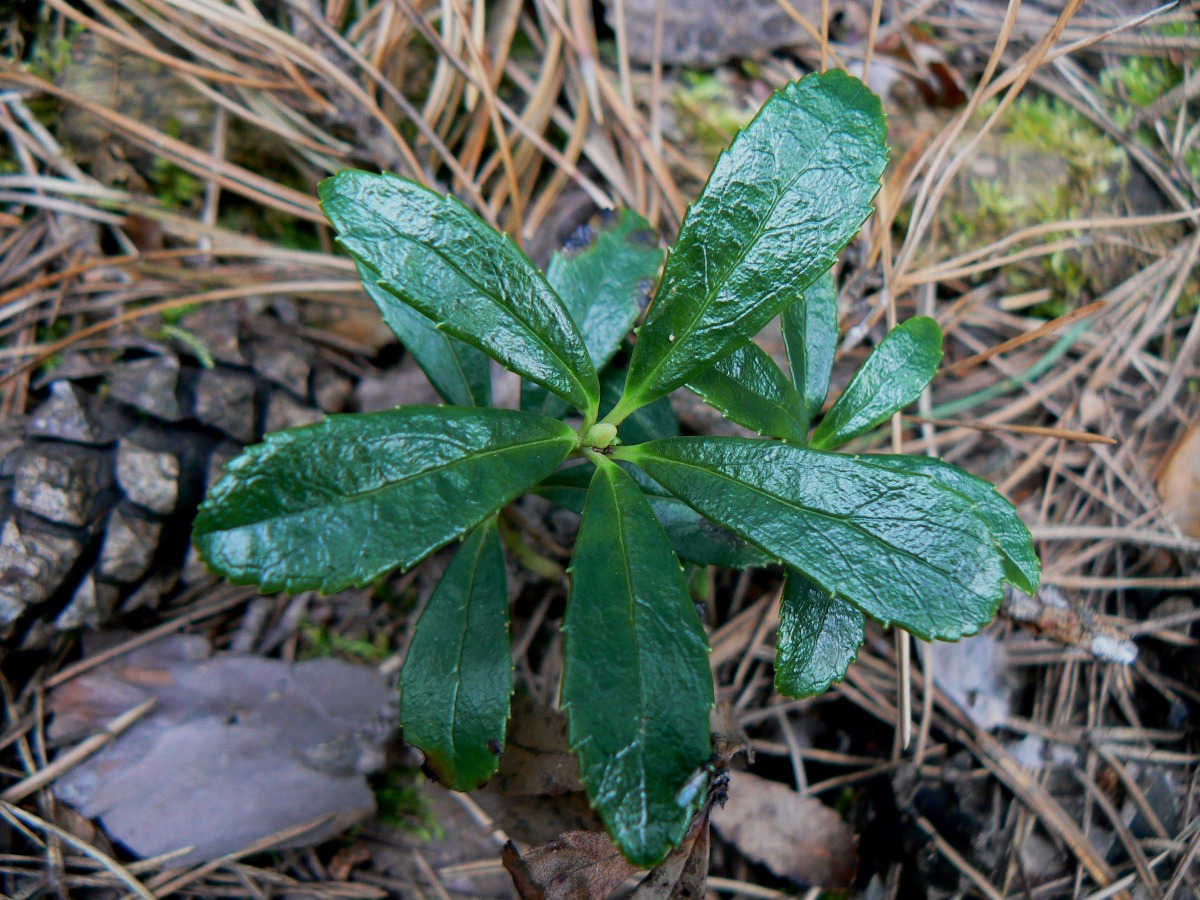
column 335, row 505
column 636, row 680
column 892, row 377
column 437, row 256
column 692, row 536
column 459, row 372
column 457, row 676
column 788, row 194
column 747, row 387
column 605, row 275
column 819, row 636
column 654, row 420
column 1022, row 568
column 904, row 550
column 810, row 336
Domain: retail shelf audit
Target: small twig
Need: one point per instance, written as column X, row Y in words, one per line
column 67, row 761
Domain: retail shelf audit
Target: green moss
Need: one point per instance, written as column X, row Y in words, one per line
column 710, row 111
column 401, row 804
column 322, row 642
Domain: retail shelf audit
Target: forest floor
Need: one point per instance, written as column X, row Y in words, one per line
column 1042, row 201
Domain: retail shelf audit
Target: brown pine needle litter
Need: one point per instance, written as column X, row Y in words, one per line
column 1048, row 220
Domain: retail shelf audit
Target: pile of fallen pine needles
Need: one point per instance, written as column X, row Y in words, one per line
column 1072, row 409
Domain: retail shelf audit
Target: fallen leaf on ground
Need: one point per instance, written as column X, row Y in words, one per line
column 573, row 866
column 537, row 758
column 684, row 873
column 796, row 837
column 1179, row 483
column 236, row 748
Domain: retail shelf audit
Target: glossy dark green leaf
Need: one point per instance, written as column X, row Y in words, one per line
column 692, row 536
column 819, row 636
column 810, row 338
column 334, row 505
column 1022, row 568
column 654, row 420
column 605, row 275
column 636, row 679
column 437, row 256
column 457, row 676
column 788, row 194
column 747, row 387
column 904, row 550
column 459, row 372
column 891, row 378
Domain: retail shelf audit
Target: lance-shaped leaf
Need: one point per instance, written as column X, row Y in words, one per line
column 788, row 194
column 605, row 274
column 904, row 550
column 437, row 256
column 459, row 372
column 810, row 335
column 891, row 378
column 334, row 505
column 457, row 675
column 747, row 387
column 692, row 536
column 636, row 680
column 819, row 636
column 1022, row 568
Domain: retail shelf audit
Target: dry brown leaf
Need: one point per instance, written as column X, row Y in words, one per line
column 796, row 837
column 537, row 758
column 577, row 865
column 684, row 873
column 1179, row 483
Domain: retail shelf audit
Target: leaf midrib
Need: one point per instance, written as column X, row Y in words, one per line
column 355, row 497
column 819, row 514
column 462, row 646
column 738, row 260
column 567, row 365
column 640, row 741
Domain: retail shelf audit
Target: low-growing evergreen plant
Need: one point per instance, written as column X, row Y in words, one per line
column 908, row 541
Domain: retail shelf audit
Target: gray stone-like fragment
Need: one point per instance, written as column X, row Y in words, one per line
column 33, row 564
column 707, row 32
column 148, row 477
column 59, row 482
column 130, row 542
column 151, row 385
column 285, row 412
column 236, row 748
column 90, row 606
column 72, row 414
column 226, row 401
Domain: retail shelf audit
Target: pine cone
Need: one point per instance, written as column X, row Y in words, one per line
column 100, row 483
